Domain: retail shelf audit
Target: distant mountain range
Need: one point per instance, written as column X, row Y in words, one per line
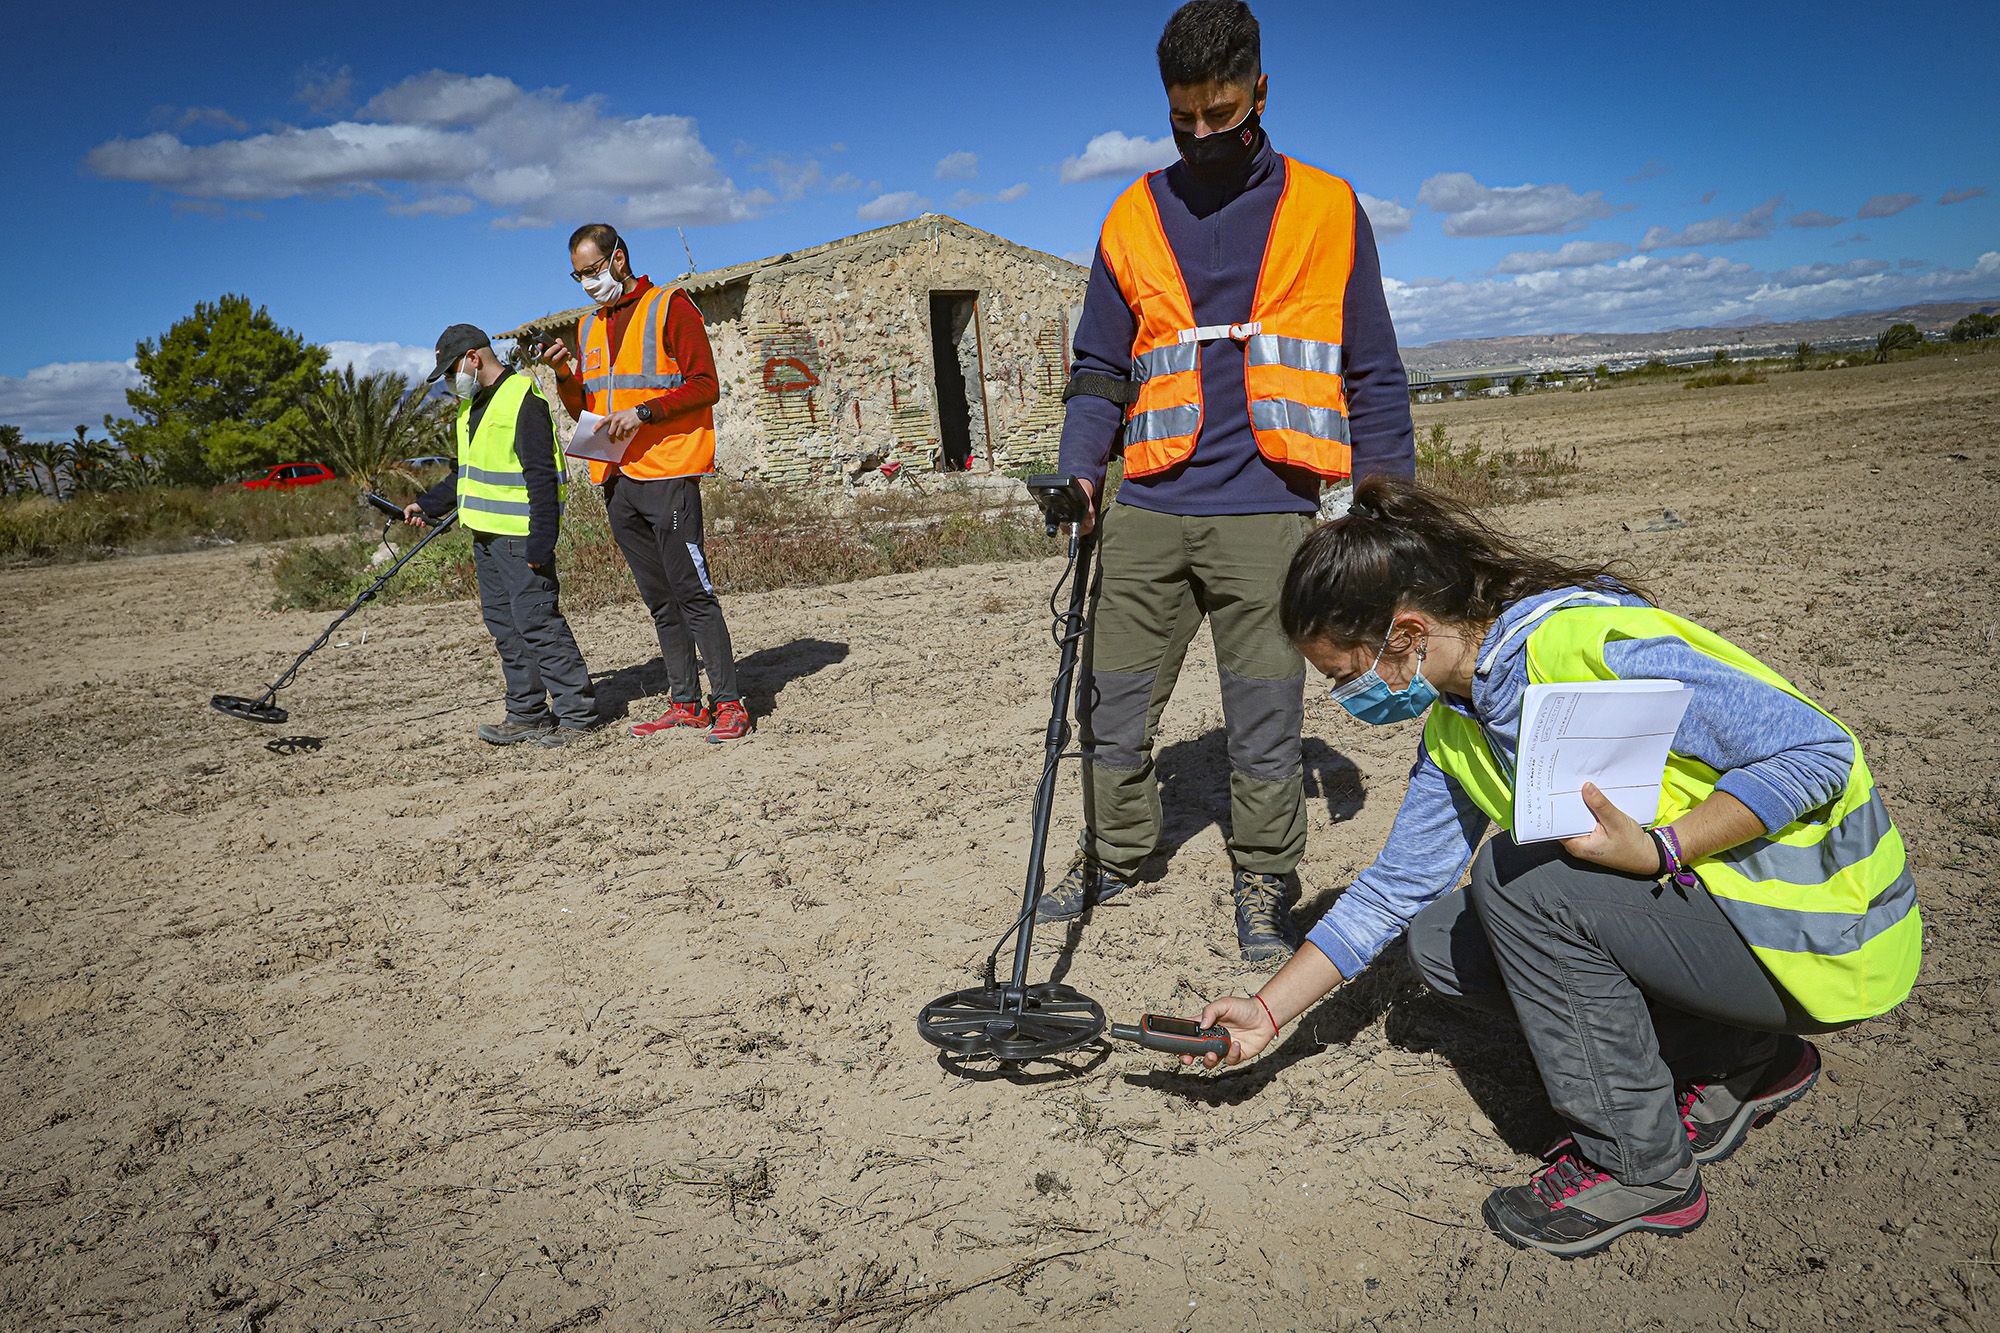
column 1550, row 351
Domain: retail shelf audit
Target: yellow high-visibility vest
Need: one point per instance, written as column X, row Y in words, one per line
column 492, row 492
column 1826, row 903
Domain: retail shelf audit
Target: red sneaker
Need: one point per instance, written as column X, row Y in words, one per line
column 677, row 715
column 732, row 722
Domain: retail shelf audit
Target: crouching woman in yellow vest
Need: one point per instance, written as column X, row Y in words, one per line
column 1662, row 977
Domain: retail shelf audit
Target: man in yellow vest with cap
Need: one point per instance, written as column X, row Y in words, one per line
column 1236, row 334
column 648, row 369
column 508, row 490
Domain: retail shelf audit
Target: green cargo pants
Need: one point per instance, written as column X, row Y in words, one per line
column 1162, row 574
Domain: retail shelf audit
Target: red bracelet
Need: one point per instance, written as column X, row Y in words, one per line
column 1268, row 1014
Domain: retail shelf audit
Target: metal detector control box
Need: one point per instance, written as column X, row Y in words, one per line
column 1061, row 498
column 1176, row 1036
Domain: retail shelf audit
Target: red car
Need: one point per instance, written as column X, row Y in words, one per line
column 287, row 475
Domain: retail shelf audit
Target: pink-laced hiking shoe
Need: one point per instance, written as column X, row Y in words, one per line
column 1719, row 1116
column 1571, row 1208
column 677, row 715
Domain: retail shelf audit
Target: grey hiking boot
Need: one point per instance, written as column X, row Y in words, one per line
column 1719, row 1116
column 565, row 735
column 1264, row 928
column 1571, row 1208
column 1085, row 885
column 511, row 732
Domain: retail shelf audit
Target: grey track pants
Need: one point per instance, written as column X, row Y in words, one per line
column 1163, row 573
column 658, row 527
column 538, row 654
column 1621, row 985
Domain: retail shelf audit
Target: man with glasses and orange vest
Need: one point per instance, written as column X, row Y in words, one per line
column 1235, row 332
column 647, row 367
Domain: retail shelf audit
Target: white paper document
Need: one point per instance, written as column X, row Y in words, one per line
column 590, row 441
column 1614, row 733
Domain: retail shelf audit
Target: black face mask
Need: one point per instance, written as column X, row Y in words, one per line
column 1223, row 155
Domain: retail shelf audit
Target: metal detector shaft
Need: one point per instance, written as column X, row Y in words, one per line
column 438, row 529
column 1058, row 740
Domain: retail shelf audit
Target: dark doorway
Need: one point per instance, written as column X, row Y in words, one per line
column 956, row 361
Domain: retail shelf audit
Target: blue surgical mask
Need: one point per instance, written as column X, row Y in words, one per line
column 1369, row 698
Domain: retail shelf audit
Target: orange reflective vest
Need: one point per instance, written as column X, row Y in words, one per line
column 681, row 446
column 1291, row 334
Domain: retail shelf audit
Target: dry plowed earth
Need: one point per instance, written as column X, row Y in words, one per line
column 387, row 1029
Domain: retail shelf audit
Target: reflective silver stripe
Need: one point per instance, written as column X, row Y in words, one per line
column 1528, row 621
column 1323, row 423
column 649, row 345
column 1848, row 843
column 467, row 472
column 591, row 383
column 1209, row 333
column 1827, row 934
column 645, row 381
column 596, row 383
column 1163, row 423
column 1168, row 360
column 1271, row 349
column 486, row 504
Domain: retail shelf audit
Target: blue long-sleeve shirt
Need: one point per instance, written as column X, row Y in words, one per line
column 1780, row 757
column 1218, row 237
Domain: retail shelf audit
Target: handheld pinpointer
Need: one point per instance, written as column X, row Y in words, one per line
column 1176, row 1036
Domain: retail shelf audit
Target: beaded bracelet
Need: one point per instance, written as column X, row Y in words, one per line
column 1675, row 868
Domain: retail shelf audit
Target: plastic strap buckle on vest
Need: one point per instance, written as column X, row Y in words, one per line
column 1212, row 332
column 1116, row 388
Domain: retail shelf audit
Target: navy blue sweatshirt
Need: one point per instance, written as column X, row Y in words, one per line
column 535, row 444
column 1218, row 234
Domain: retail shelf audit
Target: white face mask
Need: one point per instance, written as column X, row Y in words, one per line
column 603, row 288
column 464, row 385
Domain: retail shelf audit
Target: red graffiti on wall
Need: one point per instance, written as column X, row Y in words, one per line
column 776, row 381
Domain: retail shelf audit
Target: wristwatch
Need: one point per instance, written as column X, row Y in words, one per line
column 644, row 412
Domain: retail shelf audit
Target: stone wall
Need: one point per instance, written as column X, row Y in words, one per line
column 825, row 362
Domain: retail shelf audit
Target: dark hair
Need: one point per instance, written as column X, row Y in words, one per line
column 1405, row 546
column 602, row 235
column 1210, row 41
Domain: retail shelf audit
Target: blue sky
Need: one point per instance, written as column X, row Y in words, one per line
column 371, row 178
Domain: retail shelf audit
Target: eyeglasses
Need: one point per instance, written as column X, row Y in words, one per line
column 581, row 273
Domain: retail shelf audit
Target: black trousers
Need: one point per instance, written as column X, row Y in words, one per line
column 657, row 525
column 1621, row 985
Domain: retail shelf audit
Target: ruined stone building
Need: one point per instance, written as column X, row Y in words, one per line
column 928, row 343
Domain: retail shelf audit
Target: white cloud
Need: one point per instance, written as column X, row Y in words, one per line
column 1886, row 206
column 1387, row 216
column 1960, row 196
column 974, row 198
column 1654, row 292
column 892, row 207
column 436, row 206
column 530, row 155
column 1812, row 217
column 1652, row 169
column 845, row 183
column 1472, row 209
column 53, row 400
column 196, row 116
column 1754, row 225
column 1571, row 254
column 1115, row 153
column 959, row 166
column 324, row 89
column 793, row 179
column 367, row 358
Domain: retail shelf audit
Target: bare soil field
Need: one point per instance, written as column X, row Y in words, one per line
column 385, row 1029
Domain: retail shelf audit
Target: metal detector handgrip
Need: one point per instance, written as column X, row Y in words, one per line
column 1175, row 1036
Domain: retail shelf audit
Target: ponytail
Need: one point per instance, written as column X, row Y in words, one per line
column 1403, row 546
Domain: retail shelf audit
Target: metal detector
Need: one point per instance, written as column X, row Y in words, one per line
column 264, row 708
column 1016, row 1021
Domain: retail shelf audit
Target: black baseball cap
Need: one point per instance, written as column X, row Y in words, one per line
column 453, row 344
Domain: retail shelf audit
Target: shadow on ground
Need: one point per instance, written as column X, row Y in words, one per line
column 763, row 676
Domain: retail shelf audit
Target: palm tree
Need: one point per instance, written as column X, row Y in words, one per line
column 48, row 456
column 88, row 462
column 1897, row 338
column 362, row 427
column 13, row 473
